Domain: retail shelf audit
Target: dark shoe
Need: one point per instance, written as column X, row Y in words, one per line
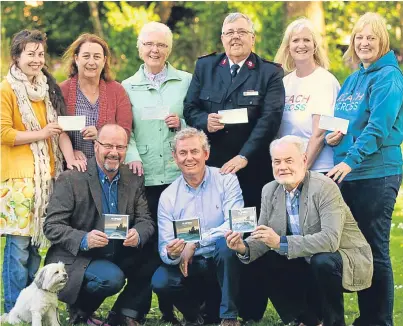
column 77, row 316
column 170, row 320
column 128, row 321
column 230, row 322
column 199, row 321
column 96, row 322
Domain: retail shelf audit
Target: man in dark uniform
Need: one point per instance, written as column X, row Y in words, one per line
column 237, row 79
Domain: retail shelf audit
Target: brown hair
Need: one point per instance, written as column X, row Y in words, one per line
column 74, row 49
column 18, row 44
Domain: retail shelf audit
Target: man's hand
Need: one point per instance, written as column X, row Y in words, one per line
column 339, row 172
column 89, row 133
column 172, row 121
column 136, row 167
column 235, row 242
column 213, row 122
column 97, row 239
column 267, row 235
column 186, row 258
column 334, row 138
column 132, row 238
column 175, row 248
column 234, row 165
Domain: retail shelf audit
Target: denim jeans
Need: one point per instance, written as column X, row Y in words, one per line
column 20, row 263
column 224, row 267
column 372, row 202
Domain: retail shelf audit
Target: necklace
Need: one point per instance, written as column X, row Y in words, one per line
column 93, row 92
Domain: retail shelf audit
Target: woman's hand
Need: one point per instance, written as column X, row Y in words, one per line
column 51, row 129
column 81, row 165
column 79, row 155
column 136, row 167
column 334, row 138
column 339, row 172
column 89, row 133
column 173, row 121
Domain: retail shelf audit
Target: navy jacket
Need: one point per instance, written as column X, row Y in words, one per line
column 211, row 90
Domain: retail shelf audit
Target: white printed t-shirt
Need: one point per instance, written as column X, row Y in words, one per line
column 313, row 94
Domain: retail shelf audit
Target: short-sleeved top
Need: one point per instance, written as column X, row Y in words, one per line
column 313, row 94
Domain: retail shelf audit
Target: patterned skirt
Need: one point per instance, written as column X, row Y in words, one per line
column 16, row 207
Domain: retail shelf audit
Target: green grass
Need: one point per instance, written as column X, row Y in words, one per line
column 271, row 318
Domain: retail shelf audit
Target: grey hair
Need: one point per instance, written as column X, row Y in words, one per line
column 235, row 16
column 289, row 139
column 189, row 133
column 155, row 27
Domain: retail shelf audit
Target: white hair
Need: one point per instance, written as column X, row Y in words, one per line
column 155, row 27
column 299, row 143
column 235, row 16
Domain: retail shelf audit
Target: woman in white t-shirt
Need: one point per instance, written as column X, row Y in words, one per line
column 310, row 90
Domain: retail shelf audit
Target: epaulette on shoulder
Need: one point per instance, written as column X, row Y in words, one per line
column 207, row 55
column 273, row 63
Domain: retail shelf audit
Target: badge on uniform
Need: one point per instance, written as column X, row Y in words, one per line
column 251, row 93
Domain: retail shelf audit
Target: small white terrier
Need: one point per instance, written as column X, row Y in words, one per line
column 38, row 302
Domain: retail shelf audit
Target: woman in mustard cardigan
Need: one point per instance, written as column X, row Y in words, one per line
column 30, row 158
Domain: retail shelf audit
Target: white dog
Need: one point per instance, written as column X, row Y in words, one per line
column 38, row 301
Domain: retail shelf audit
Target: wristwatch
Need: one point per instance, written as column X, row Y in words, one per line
column 243, row 157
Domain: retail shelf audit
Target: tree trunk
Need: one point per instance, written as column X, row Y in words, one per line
column 94, row 14
column 164, row 9
column 313, row 10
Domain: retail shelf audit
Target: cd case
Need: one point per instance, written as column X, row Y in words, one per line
column 188, row 229
column 243, row 219
column 116, row 226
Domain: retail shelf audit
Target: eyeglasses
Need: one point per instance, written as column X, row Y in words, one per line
column 150, row 45
column 119, row 148
column 240, row 32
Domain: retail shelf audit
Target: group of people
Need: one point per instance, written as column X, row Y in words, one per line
column 324, row 221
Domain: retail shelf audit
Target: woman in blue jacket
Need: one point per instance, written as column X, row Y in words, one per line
column 368, row 158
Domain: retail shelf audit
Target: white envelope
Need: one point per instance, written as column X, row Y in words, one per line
column 332, row 123
column 234, row 116
column 154, row 112
column 71, row 123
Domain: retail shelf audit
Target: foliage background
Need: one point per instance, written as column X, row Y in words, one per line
column 196, row 27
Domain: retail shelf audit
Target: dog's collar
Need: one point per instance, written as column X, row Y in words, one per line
column 36, row 283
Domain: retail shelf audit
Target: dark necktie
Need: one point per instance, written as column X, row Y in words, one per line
column 234, row 71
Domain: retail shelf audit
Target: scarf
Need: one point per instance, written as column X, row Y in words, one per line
column 25, row 93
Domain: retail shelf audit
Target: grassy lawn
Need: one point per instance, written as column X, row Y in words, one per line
column 271, row 318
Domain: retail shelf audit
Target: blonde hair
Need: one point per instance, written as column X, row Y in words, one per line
column 283, row 55
column 378, row 27
column 155, row 27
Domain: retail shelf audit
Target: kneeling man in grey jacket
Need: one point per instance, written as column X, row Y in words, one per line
column 307, row 241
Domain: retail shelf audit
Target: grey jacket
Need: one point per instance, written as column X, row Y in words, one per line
column 75, row 208
column 326, row 224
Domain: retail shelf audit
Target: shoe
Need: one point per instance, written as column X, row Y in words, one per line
column 170, row 320
column 77, row 316
column 199, row 321
column 96, row 322
column 128, row 321
column 230, row 322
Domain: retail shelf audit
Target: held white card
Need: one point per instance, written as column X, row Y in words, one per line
column 234, row 116
column 332, row 123
column 154, row 112
column 72, row 123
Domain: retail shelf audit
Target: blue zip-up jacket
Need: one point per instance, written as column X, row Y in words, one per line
column 372, row 100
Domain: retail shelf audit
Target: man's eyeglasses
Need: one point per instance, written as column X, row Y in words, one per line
column 150, row 45
column 119, row 148
column 240, row 32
